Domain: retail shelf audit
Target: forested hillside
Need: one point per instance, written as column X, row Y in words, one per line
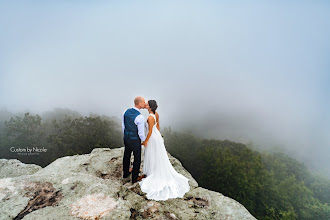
column 269, row 185
column 62, row 133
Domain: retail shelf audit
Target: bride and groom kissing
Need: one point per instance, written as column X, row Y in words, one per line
column 160, row 180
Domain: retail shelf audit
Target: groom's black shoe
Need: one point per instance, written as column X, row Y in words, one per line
column 138, row 179
column 127, row 175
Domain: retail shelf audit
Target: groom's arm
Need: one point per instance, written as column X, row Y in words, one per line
column 139, row 121
column 122, row 122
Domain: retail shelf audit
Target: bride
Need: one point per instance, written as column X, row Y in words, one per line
column 162, row 182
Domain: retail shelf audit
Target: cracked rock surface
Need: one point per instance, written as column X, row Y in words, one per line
column 90, row 186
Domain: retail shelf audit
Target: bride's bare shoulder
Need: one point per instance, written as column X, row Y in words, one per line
column 150, row 118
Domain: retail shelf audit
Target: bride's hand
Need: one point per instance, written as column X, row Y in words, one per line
column 145, row 143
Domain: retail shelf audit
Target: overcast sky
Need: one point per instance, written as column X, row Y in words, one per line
column 247, row 71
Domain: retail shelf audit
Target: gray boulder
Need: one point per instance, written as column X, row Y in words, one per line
column 14, row 167
column 90, row 187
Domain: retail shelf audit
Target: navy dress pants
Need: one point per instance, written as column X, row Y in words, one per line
column 132, row 145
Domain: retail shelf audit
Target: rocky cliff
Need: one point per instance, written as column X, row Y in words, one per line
column 90, row 187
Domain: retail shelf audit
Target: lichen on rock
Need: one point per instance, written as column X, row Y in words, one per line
column 93, row 206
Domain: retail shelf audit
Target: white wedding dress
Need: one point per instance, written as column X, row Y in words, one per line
column 162, row 181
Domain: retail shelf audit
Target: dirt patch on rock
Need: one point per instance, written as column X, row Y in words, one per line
column 42, row 194
column 113, row 159
column 114, row 174
column 199, row 202
column 118, row 173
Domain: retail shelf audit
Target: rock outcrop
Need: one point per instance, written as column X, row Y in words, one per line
column 90, row 187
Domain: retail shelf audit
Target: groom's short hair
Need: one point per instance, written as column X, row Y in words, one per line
column 137, row 100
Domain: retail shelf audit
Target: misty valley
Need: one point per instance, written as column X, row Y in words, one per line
column 270, row 185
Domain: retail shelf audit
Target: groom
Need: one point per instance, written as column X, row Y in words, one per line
column 133, row 129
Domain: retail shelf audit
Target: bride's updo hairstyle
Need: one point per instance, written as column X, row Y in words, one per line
column 153, row 105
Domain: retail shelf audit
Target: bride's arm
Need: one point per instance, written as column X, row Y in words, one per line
column 151, row 122
column 157, row 117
